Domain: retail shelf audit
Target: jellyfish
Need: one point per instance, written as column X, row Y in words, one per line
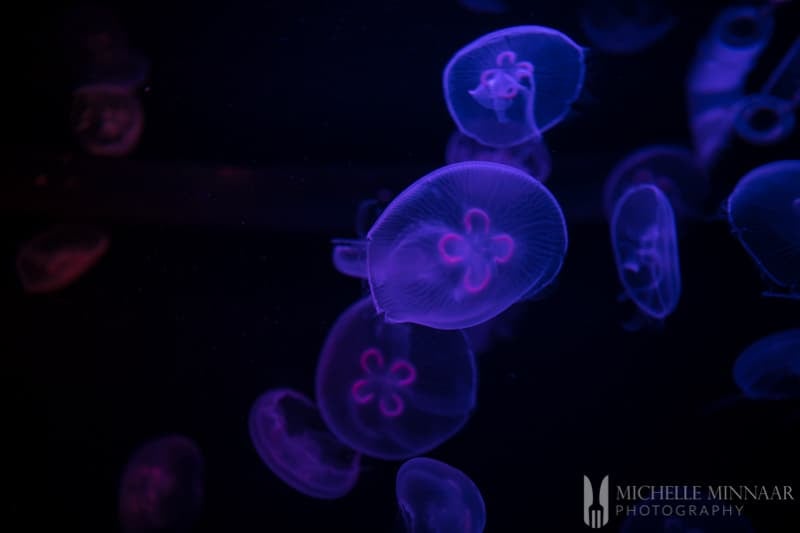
column 670, row 168
column 436, row 497
column 769, row 369
column 292, row 440
column 162, row 486
column 107, row 120
column 692, row 513
column 625, row 26
column 764, row 215
column 59, row 256
column 512, row 85
column 462, row 244
column 532, row 157
column 392, row 391
column 645, row 247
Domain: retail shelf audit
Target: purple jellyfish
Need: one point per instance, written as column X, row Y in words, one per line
column 56, row 258
column 512, row 85
column 162, row 486
column 393, row 391
column 293, row 441
column 532, row 157
column 769, row 369
column 107, row 119
column 434, row 496
column 625, row 26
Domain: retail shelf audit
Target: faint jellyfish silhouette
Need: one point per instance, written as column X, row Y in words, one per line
column 57, row 257
column 107, row 120
column 532, row 157
column 290, row 437
column 162, row 486
column 645, row 246
column 670, row 168
column 435, row 497
column 685, row 512
column 462, row 244
column 350, row 255
column 625, row 26
column 483, row 337
column 393, row 391
column 512, row 85
column 488, row 7
column 769, row 369
column 763, row 214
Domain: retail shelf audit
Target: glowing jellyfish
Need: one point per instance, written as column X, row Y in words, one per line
column 58, row 257
column 670, row 168
column 350, row 257
column 532, row 157
column 685, row 512
column 625, row 26
column 293, row 441
column 645, row 247
column 162, row 486
column 769, row 369
column 107, row 120
column 435, row 497
column 512, row 85
column 764, row 214
column 393, row 391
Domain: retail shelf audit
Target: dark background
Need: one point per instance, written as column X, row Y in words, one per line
column 217, row 288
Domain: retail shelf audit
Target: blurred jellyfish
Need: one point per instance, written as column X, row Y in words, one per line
column 162, row 487
column 670, row 168
column 489, row 7
column 769, row 369
column 764, row 214
column 483, row 337
column 646, row 250
column 107, row 120
column 434, row 497
column 685, row 512
column 292, row 440
column 350, row 257
column 393, row 391
column 718, row 74
column 532, row 157
column 625, row 26
column 56, row 258
column 462, row 244
column 512, row 85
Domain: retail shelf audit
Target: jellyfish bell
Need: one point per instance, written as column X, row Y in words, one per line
column 769, row 369
column 292, row 440
column 393, row 391
column 532, row 156
column 107, row 120
column 625, row 26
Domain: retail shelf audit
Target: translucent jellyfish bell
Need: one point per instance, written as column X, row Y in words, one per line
column 670, row 168
column 290, row 437
column 645, row 247
column 435, row 497
column 769, row 369
column 532, row 157
column 393, row 391
column 107, row 120
column 512, row 85
column 625, row 26
column 763, row 214
column 162, row 486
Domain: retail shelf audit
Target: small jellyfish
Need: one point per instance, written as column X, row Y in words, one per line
column 290, row 437
column 434, row 497
column 645, row 247
column 625, row 26
column 393, row 391
column 162, row 486
column 763, row 214
column 58, row 257
column 107, row 120
column 670, row 168
column 532, row 157
column 350, row 257
column 769, row 369
column 512, row 85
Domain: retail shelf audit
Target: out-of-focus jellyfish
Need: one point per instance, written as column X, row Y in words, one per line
column 393, row 391
column 764, row 214
column 56, row 258
column 107, row 119
column 768, row 117
column 162, row 486
column 483, row 337
column 685, row 512
column 290, row 437
column 434, row 497
column 718, row 74
column 350, row 257
column 489, row 7
column 645, row 247
column 625, row 26
column 512, row 85
column 672, row 169
column 532, row 156
column 769, row 369
column 462, row 244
